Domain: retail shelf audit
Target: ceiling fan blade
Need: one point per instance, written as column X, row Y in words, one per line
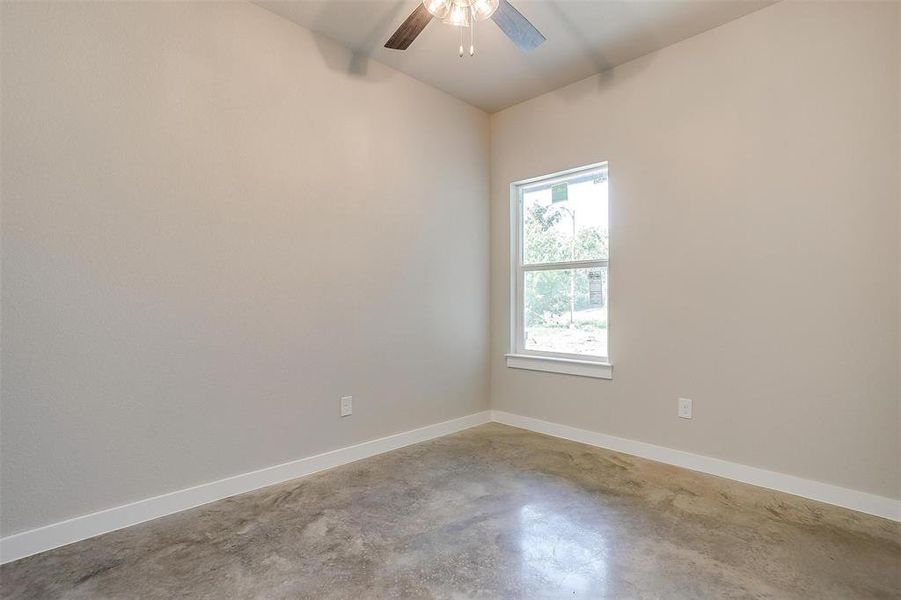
column 409, row 29
column 517, row 27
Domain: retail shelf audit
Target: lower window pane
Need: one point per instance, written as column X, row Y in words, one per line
column 566, row 311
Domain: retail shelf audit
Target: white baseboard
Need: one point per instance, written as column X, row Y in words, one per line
column 66, row 532
column 52, row 536
column 872, row 504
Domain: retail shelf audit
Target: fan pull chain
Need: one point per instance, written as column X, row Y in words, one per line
column 472, row 33
column 461, row 42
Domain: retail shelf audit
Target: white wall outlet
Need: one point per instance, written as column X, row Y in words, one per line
column 347, row 406
column 685, row 408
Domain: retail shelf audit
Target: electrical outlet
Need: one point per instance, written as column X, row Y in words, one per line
column 685, row 408
column 347, row 406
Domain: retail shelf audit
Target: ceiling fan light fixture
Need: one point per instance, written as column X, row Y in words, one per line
column 483, row 9
column 458, row 15
column 438, row 8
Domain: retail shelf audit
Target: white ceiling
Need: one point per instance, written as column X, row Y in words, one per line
column 583, row 37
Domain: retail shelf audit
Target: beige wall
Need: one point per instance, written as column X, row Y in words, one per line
column 214, row 226
column 754, row 176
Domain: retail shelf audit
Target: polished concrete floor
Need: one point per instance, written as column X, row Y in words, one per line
column 491, row 512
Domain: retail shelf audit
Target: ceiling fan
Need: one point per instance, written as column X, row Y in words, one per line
column 465, row 13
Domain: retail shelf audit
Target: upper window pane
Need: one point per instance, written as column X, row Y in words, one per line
column 566, row 221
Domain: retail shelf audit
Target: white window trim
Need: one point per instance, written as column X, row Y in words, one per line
column 518, row 357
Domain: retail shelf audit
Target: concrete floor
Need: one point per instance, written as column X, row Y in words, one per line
column 492, row 512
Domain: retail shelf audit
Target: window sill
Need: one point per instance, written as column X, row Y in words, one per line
column 566, row 366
